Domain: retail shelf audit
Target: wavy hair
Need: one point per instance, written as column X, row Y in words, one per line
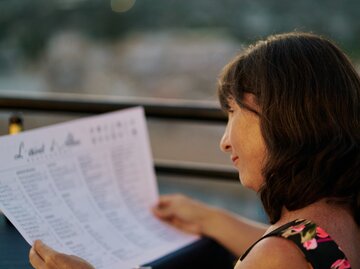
column 308, row 93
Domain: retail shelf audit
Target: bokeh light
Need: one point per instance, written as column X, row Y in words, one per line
column 122, row 5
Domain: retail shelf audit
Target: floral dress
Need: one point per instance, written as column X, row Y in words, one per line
column 319, row 249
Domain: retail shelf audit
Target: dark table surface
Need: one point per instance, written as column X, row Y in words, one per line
column 13, row 247
column 204, row 253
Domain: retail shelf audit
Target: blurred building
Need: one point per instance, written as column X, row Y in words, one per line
column 176, row 64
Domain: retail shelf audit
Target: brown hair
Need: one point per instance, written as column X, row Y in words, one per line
column 308, row 93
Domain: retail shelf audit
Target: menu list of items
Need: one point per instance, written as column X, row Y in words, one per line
column 86, row 187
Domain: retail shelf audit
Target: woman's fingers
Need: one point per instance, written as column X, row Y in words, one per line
column 192, row 228
column 179, row 211
column 35, row 260
column 47, row 254
column 42, row 249
column 43, row 257
column 163, row 213
column 168, row 199
column 166, row 206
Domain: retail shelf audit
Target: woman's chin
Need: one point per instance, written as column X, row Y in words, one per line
column 249, row 184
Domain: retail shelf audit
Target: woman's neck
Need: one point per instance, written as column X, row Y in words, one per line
column 319, row 212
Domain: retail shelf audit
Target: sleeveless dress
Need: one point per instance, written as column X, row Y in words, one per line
column 319, row 249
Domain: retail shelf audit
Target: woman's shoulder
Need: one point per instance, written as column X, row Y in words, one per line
column 298, row 243
column 274, row 252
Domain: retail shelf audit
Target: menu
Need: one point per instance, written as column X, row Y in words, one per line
column 85, row 187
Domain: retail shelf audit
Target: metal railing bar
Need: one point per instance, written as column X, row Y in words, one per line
column 201, row 170
column 92, row 104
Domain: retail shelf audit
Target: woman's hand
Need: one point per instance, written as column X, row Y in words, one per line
column 232, row 231
column 43, row 257
column 184, row 213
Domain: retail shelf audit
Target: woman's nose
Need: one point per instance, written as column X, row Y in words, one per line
column 225, row 145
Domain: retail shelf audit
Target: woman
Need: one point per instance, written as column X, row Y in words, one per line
column 293, row 133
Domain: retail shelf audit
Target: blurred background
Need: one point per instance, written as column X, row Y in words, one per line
column 150, row 48
column 162, row 49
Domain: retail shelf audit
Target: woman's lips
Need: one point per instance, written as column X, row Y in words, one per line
column 234, row 159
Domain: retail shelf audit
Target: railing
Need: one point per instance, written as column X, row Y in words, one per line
column 202, row 111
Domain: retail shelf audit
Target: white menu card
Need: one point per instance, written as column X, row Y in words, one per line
column 85, row 187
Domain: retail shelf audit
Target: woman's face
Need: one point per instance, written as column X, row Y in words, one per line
column 243, row 141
